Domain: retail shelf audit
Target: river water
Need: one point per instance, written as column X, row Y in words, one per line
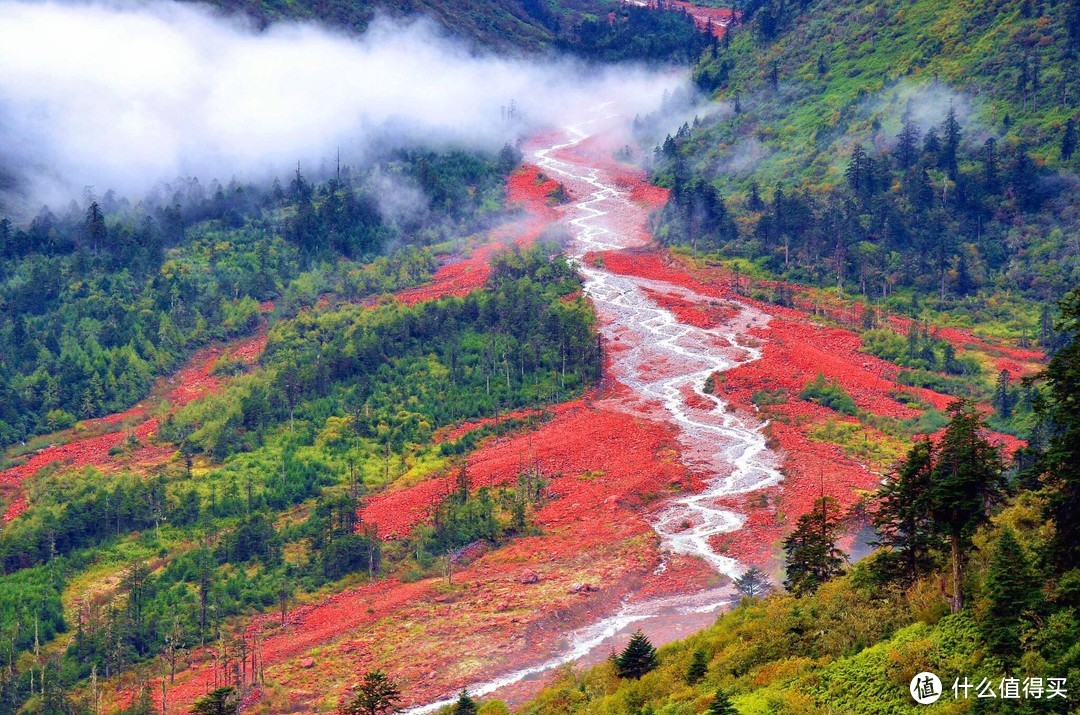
column 661, row 361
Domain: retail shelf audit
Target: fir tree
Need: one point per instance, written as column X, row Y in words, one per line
column 931, row 142
column 1003, row 402
column 753, row 199
column 907, row 145
column 637, row 659
column 721, row 705
column 812, row 556
column 856, row 169
column 221, row 701
column 1068, row 140
column 1060, row 464
column 1012, row 590
column 699, row 667
column 753, row 582
column 967, row 478
column 902, row 519
column 377, row 695
column 465, row 705
column 951, row 129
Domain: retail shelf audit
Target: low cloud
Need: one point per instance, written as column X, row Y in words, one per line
column 125, row 95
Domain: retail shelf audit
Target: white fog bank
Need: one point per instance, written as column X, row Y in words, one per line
column 125, row 95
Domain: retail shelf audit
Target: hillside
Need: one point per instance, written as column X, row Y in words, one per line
column 794, row 392
column 888, row 147
column 523, row 24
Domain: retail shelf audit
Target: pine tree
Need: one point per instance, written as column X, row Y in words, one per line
column 907, row 145
column 95, row 225
column 753, row 582
column 637, row 659
column 967, row 477
column 856, row 169
column 699, row 667
column 1060, row 465
column 753, row 199
column 465, row 705
column 721, row 705
column 902, row 519
column 931, row 142
column 377, row 695
column 1012, row 591
column 1068, row 140
column 812, row 556
column 1003, row 396
column 953, row 133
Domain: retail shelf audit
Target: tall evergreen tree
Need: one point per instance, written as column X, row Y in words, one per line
column 967, row 479
column 721, row 705
column 698, row 668
column 465, row 705
column 856, row 172
column 1068, row 140
column 637, row 658
column 753, row 582
column 1012, row 591
column 377, row 695
column 1060, row 464
column 1003, row 401
column 903, row 520
column 951, row 145
column 812, row 556
column 907, row 145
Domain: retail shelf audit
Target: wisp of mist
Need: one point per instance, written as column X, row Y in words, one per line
column 122, row 96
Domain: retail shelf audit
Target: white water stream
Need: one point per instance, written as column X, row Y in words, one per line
column 663, row 361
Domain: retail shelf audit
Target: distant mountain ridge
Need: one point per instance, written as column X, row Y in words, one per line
column 526, row 24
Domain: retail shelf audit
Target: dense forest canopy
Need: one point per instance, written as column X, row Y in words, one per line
column 101, row 300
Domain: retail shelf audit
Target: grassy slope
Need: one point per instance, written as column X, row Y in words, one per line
column 852, row 647
column 877, row 54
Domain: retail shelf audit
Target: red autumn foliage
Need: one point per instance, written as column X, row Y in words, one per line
column 461, row 276
column 703, row 316
column 16, row 508
column 719, row 18
column 191, row 382
column 593, row 456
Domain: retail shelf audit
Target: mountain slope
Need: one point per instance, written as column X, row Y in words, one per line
column 816, row 98
column 528, row 24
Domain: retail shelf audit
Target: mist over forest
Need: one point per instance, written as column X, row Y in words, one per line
column 152, row 91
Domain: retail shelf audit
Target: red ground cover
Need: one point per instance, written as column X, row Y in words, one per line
column 464, row 275
column 16, row 508
column 703, row 316
column 703, row 16
column 189, row 383
column 602, row 467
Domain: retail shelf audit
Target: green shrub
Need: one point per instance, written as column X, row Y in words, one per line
column 829, row 394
